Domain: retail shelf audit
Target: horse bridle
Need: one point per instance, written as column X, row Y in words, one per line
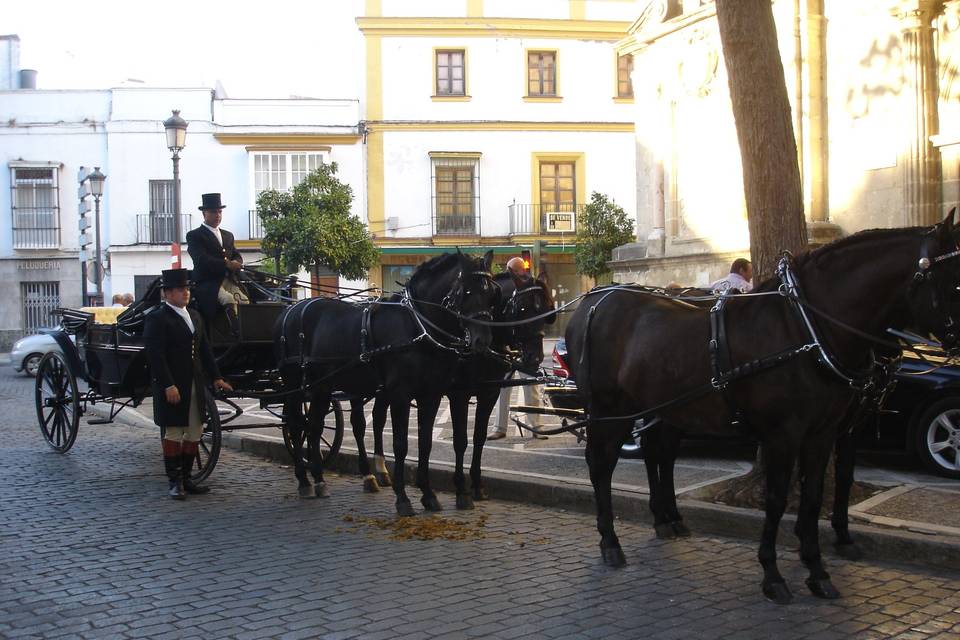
column 927, row 273
column 458, row 292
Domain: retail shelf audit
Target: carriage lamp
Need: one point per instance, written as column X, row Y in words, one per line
column 96, row 180
column 176, row 128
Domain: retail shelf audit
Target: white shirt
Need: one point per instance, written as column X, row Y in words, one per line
column 732, row 281
column 216, row 232
column 183, row 313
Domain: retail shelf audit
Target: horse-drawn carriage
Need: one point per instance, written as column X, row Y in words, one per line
column 107, row 364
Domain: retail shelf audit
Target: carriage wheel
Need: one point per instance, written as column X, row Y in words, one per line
column 330, row 438
column 209, row 451
column 58, row 402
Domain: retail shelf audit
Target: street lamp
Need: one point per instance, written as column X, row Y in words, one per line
column 96, row 179
column 176, row 128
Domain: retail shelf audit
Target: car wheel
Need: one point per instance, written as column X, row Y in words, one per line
column 31, row 363
column 936, row 438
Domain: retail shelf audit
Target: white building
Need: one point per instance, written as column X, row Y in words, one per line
column 236, row 147
column 489, row 123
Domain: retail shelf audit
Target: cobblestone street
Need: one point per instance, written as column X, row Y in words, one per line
column 94, row 549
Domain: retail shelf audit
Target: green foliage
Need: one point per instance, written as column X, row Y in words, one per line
column 602, row 226
column 312, row 226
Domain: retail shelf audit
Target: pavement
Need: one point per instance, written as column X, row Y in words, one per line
column 93, row 548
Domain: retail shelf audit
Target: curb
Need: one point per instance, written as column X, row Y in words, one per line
column 875, row 543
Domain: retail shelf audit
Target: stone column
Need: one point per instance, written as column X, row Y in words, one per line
column 651, row 127
column 920, row 169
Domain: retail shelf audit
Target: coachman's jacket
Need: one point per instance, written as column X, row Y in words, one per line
column 177, row 357
column 209, row 269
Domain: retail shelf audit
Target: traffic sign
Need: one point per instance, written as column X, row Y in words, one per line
column 84, row 223
column 85, row 240
column 94, row 272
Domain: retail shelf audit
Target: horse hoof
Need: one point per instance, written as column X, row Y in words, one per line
column 613, row 557
column 370, row 485
column 849, row 551
column 464, row 501
column 405, row 509
column 777, row 592
column 321, row 490
column 480, row 494
column 384, row 480
column 306, row 492
column 665, row 531
column 430, row 503
column 680, row 529
column 822, row 588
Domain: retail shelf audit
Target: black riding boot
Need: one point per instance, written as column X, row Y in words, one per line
column 233, row 320
column 172, row 465
column 189, row 458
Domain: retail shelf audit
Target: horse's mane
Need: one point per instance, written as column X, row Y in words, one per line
column 820, row 254
column 528, row 281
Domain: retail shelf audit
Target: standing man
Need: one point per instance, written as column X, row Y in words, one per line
column 531, row 393
column 181, row 364
column 738, row 280
column 216, row 263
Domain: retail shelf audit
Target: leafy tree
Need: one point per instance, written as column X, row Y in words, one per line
column 602, row 226
column 312, row 226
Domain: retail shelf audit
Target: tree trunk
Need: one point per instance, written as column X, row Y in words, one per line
column 761, row 110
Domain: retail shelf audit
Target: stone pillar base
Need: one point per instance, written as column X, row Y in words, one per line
column 821, row 233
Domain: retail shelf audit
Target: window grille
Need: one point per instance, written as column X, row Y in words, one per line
column 456, row 196
column 35, row 203
column 39, row 299
column 450, row 73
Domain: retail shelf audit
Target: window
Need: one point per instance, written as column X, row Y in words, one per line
column 395, row 276
column 456, row 197
column 36, row 208
column 558, row 189
column 624, row 82
column 159, row 223
column 541, row 73
column 282, row 171
column 39, row 299
column 450, row 73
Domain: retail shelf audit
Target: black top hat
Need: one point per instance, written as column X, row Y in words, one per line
column 172, row 278
column 211, row 201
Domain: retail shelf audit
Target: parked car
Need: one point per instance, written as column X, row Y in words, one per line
column 921, row 416
column 26, row 352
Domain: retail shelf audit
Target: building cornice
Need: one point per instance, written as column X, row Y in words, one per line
column 497, row 125
column 286, row 140
column 609, row 30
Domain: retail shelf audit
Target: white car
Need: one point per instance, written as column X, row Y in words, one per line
column 27, row 352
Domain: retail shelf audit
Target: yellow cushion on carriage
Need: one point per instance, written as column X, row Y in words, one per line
column 104, row 315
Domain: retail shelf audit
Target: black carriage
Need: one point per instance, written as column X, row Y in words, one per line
column 108, row 364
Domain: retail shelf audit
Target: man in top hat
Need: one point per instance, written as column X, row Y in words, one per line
column 216, row 262
column 181, row 365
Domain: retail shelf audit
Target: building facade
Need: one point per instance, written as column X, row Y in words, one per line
column 875, row 95
column 489, row 123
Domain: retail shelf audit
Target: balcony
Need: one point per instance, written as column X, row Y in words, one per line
column 534, row 219
column 255, row 225
column 456, row 225
column 157, row 228
column 36, row 228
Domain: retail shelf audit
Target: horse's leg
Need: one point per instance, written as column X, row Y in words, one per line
column 486, row 401
column 458, row 414
column 400, row 417
column 359, row 424
column 778, row 460
column 379, row 417
column 427, row 407
column 602, row 453
column 813, row 464
column 670, row 443
column 845, row 545
column 293, row 415
column 318, row 409
column 653, row 460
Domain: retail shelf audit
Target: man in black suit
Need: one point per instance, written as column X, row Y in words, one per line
column 181, row 366
column 216, row 263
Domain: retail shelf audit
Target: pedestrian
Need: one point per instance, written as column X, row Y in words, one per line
column 216, row 264
column 117, row 300
column 531, row 393
column 181, row 366
column 738, row 280
column 127, row 299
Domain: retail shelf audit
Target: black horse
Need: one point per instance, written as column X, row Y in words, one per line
column 523, row 310
column 406, row 350
column 795, row 356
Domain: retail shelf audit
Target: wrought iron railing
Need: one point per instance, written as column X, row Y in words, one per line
column 552, row 219
column 157, row 228
column 36, row 228
column 255, row 225
column 456, row 225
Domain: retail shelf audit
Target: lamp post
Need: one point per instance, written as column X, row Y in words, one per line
column 176, row 128
column 96, row 179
